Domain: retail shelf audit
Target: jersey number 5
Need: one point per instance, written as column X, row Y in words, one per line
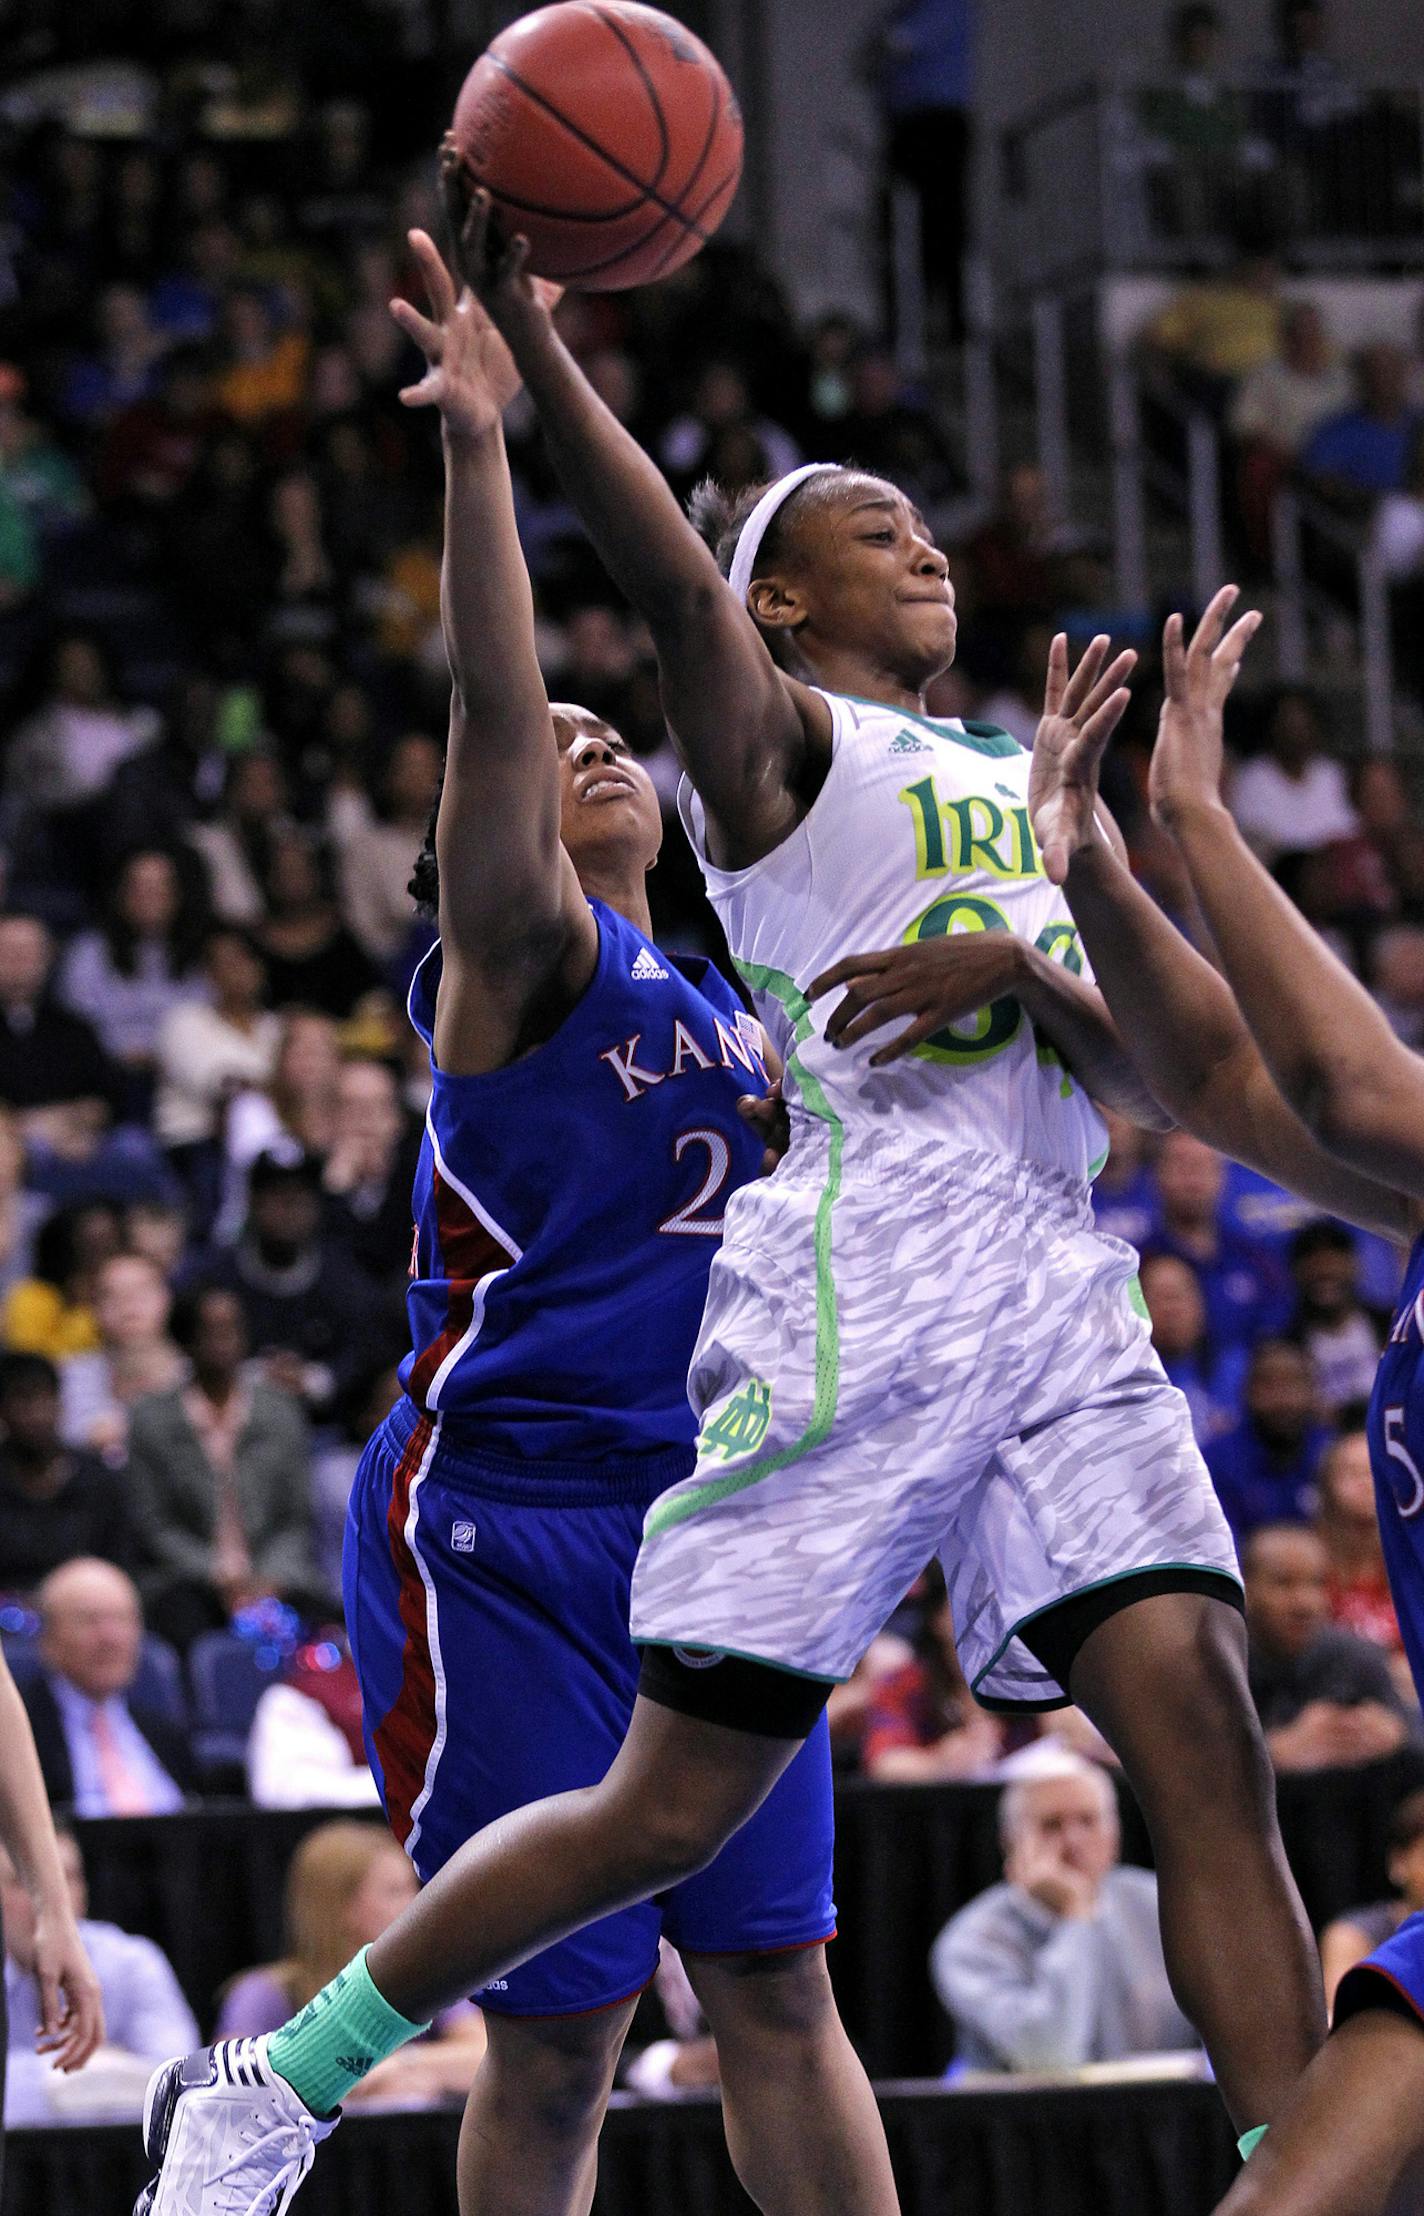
column 1408, row 1489
column 686, row 1222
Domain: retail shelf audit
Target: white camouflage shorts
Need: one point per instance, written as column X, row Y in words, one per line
column 902, row 1357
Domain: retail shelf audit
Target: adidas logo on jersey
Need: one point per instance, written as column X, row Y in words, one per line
column 905, row 742
column 647, row 966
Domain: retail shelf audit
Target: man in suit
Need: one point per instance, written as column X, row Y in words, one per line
column 100, row 1755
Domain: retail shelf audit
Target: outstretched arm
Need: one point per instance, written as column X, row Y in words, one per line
column 746, row 733
column 1325, row 1042
column 512, row 917
column 1186, row 1033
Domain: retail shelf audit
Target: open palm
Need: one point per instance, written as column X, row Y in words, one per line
column 1080, row 714
column 470, row 376
column 1188, row 758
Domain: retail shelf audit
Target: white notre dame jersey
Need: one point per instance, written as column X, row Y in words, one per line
column 921, row 828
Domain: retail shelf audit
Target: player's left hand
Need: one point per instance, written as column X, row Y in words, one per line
column 489, row 263
column 932, row 981
column 1189, row 757
column 766, row 1113
column 1080, row 714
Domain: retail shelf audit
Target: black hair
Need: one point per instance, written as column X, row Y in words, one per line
column 185, row 935
column 56, row 1255
column 1320, row 1237
column 719, row 516
column 424, row 885
column 185, row 1319
column 1406, row 1823
column 20, row 1372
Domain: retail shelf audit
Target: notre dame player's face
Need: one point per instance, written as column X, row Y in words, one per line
column 610, row 809
column 874, row 582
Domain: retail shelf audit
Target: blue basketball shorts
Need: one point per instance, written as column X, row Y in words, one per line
column 1391, row 1977
column 487, row 1607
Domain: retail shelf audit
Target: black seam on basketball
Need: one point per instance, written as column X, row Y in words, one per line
column 701, row 163
column 575, row 277
column 610, row 23
column 565, row 215
column 591, row 144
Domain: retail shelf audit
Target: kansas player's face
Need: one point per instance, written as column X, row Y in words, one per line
column 610, row 819
column 863, row 576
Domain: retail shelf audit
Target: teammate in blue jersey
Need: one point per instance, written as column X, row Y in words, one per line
column 1321, row 1083
column 582, row 1140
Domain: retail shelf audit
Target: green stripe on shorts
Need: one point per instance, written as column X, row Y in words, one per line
column 676, row 1508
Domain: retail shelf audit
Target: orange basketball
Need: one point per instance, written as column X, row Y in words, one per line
column 608, row 135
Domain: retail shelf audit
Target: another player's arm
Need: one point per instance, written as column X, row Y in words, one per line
column 748, row 734
column 511, row 913
column 1189, row 1038
column 71, row 2005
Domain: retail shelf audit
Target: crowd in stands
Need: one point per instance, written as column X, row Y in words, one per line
column 222, row 690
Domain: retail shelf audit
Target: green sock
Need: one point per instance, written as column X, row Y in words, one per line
column 1249, row 2141
column 344, row 2031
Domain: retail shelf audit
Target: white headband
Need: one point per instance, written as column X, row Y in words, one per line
column 759, row 522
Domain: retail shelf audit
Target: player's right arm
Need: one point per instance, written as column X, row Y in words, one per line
column 752, row 739
column 71, row 2005
column 1178, row 1017
column 513, row 920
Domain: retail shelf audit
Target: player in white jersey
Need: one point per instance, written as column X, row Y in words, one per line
column 915, row 1340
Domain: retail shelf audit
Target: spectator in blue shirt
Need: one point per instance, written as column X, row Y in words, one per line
column 922, row 61
column 1264, row 1470
column 1246, row 1287
column 1363, row 452
column 1125, row 1200
column 1214, row 1384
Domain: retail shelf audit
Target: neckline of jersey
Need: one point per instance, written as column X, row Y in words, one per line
column 946, row 727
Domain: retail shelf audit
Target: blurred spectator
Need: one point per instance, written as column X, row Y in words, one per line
column 53, row 1071
column 126, row 977
column 721, row 402
column 378, row 846
column 1293, row 795
column 1195, row 128
column 370, row 1168
column 135, row 1356
column 1264, row 1468
column 237, row 845
column 1214, row 1386
column 21, row 1211
column 889, row 431
column 305, row 1749
column 55, row 1501
column 346, row 1883
column 66, row 753
column 122, row 367
column 670, row 2050
column 1246, row 1290
column 921, row 62
column 311, row 1319
column 1125, row 1204
column 1359, row 1931
column 311, row 957
column 852, row 1703
column 1397, row 980
column 208, row 1050
column 100, row 1752
column 1340, row 1335
column 52, row 1312
column 1308, row 111
column 339, row 1449
column 220, row 1477
column 923, row 1721
column 1365, row 450
column 1061, row 1964
column 1325, row 1697
column 1278, row 407
column 153, row 449
column 1012, row 559
column 35, row 470
column 146, row 2018
column 295, row 1112
column 259, row 370
column 1217, row 330
column 1357, row 1589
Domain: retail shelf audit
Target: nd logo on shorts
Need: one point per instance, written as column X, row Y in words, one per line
column 740, row 1427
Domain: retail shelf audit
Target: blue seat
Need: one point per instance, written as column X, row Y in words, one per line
column 228, row 1676
column 158, row 1682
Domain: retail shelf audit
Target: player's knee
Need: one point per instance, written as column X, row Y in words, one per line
column 779, row 2001
column 552, row 2078
column 1210, row 1733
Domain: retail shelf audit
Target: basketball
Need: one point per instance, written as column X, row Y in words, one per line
column 606, row 133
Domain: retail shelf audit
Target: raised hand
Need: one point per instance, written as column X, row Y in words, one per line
column 1187, row 759
column 469, row 375
column 490, row 264
column 1080, row 714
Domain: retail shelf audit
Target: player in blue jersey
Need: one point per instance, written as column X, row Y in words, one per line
column 1322, row 1086
column 582, row 1140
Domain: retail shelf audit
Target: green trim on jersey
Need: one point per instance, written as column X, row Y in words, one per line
column 675, row 1508
column 980, row 738
column 1142, row 1569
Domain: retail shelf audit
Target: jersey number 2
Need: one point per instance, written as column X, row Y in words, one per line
column 685, row 1222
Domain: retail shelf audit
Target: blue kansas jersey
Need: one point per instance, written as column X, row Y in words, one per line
column 568, row 1207
column 1396, row 1428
